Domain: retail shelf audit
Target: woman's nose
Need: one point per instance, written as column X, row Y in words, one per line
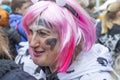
column 34, row 41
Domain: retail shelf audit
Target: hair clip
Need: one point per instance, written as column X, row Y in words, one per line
column 61, row 2
column 34, row 1
column 64, row 4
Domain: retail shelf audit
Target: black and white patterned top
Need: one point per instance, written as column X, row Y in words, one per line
column 111, row 39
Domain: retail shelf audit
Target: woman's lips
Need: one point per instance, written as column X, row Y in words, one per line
column 38, row 53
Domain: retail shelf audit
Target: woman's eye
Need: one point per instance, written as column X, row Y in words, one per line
column 31, row 32
column 42, row 33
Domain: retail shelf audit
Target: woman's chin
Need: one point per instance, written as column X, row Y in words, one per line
column 38, row 62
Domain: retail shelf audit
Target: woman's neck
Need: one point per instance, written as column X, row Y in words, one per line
column 52, row 68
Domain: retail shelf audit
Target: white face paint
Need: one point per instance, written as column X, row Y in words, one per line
column 34, row 27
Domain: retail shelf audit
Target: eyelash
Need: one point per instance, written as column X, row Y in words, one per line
column 40, row 33
column 43, row 34
column 31, row 32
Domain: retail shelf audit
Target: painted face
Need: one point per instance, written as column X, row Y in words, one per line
column 44, row 44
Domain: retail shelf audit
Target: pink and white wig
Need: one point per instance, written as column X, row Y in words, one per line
column 72, row 28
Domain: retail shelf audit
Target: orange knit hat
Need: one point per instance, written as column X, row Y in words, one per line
column 4, row 18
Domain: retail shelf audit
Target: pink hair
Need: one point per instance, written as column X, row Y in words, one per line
column 71, row 29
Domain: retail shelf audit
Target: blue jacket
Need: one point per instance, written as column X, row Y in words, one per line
column 16, row 22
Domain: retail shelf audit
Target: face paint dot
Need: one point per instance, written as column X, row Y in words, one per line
column 51, row 42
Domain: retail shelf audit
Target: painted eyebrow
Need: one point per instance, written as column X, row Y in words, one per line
column 42, row 30
column 39, row 30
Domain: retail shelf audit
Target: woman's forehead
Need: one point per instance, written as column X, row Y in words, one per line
column 40, row 23
column 35, row 27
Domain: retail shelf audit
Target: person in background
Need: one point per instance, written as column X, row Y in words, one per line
column 4, row 46
column 91, row 9
column 13, row 35
column 61, row 38
column 83, row 3
column 110, row 32
column 101, row 13
column 9, row 70
column 18, row 9
column 88, row 5
column 6, row 2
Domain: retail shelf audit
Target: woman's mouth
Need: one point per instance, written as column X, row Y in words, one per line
column 38, row 53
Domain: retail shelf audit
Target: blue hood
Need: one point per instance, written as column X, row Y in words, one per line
column 15, row 19
column 16, row 23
